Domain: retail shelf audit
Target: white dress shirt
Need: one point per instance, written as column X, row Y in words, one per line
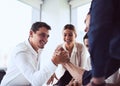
column 24, row 67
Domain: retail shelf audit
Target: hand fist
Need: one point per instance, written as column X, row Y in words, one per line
column 60, row 56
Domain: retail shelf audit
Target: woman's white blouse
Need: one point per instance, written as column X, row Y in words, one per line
column 79, row 57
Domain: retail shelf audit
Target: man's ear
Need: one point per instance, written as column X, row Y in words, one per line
column 75, row 35
column 31, row 33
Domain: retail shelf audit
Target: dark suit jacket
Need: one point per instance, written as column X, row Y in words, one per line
column 104, row 34
column 2, row 73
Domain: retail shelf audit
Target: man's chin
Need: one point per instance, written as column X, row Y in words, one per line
column 41, row 47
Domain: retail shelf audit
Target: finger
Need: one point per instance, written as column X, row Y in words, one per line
column 56, row 78
column 48, row 82
column 57, row 53
column 71, row 82
column 51, row 82
column 59, row 49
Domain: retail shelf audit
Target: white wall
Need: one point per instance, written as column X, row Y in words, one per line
column 56, row 13
column 35, row 15
column 77, row 3
column 15, row 21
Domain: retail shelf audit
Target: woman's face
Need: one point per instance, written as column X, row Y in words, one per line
column 69, row 36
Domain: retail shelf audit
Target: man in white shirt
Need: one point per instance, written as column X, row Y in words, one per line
column 24, row 64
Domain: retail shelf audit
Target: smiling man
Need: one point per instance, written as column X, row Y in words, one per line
column 24, row 63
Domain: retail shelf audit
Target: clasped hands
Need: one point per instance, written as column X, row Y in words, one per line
column 60, row 56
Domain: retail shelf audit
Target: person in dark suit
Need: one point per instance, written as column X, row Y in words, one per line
column 104, row 39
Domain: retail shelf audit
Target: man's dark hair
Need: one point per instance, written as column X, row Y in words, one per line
column 35, row 27
column 85, row 37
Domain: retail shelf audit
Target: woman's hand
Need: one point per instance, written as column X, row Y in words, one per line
column 50, row 81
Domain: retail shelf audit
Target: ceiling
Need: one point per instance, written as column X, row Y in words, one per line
column 36, row 3
column 75, row 3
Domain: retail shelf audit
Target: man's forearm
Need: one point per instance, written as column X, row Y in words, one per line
column 76, row 72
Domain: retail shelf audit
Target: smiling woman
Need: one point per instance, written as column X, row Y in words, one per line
column 77, row 55
column 14, row 26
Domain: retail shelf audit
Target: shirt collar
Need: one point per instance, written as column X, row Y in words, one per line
column 31, row 48
column 74, row 47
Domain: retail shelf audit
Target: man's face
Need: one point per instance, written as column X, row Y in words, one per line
column 86, row 43
column 40, row 38
column 87, row 22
